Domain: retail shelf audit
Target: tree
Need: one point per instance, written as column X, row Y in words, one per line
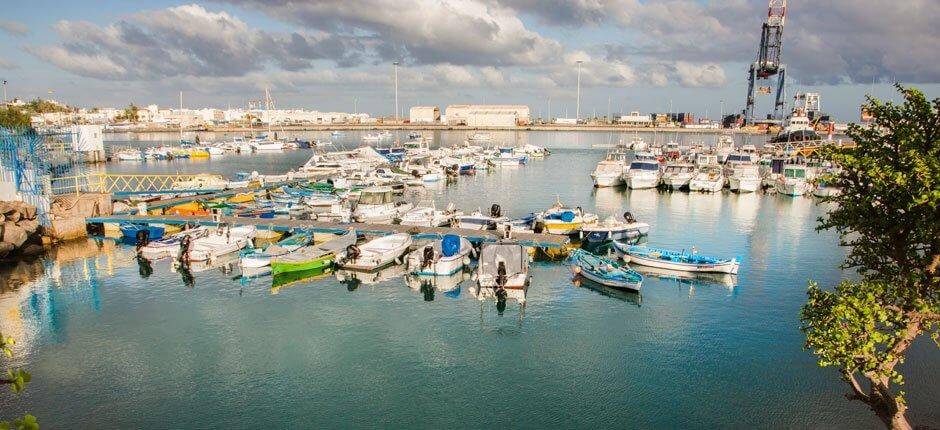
column 17, row 380
column 11, row 117
column 889, row 216
column 129, row 114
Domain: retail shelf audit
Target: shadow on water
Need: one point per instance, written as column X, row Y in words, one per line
column 628, row 296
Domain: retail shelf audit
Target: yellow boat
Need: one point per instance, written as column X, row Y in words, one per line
column 242, row 198
column 198, row 153
column 187, row 209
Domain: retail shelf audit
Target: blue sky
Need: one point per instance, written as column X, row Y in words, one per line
column 334, row 54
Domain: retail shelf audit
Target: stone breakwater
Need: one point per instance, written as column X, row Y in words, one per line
column 20, row 232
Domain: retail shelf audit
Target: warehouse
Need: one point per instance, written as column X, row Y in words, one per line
column 425, row 114
column 460, row 114
column 492, row 118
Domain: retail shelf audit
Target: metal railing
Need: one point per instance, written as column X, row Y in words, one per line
column 117, row 183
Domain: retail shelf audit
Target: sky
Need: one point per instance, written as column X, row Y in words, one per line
column 337, row 55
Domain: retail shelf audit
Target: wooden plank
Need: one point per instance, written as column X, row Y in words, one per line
column 277, row 224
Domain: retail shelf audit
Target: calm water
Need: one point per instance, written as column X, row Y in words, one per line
column 109, row 348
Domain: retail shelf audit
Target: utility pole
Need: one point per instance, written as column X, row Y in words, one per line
column 396, row 90
column 578, row 108
column 549, row 108
column 608, row 109
column 4, row 91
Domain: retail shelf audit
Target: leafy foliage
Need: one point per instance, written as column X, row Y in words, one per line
column 17, row 379
column 45, row 106
column 889, row 214
column 129, row 114
column 11, row 117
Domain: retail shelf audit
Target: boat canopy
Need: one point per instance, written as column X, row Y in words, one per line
column 644, row 165
column 376, row 197
column 512, row 255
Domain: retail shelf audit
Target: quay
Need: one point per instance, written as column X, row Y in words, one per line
column 285, row 225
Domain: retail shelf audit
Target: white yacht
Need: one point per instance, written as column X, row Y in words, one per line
column 643, row 173
column 677, row 175
column 724, row 147
column 708, row 178
column 745, row 178
column 377, row 205
column 796, row 180
column 608, row 172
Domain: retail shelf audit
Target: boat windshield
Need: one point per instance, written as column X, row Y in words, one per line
column 794, row 173
column 375, row 198
column 737, row 158
column 643, row 165
column 679, row 169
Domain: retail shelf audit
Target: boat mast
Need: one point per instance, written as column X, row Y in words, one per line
column 181, row 117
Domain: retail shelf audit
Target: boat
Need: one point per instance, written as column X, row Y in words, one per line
column 796, row 128
column 677, row 175
column 377, row 205
column 503, row 266
column 259, row 145
column 562, row 220
column 255, row 258
column 643, row 173
column 478, row 220
column 824, row 190
column 507, row 156
column 480, row 137
column 724, row 147
column 377, row 253
column 608, row 172
column 129, row 231
column 604, row 271
column 441, row 257
column 796, row 180
column 430, row 216
column 313, row 257
column 224, row 240
column 708, row 178
column 676, row 260
column 169, row 246
column 241, row 198
column 523, row 224
column 129, row 155
column 745, row 178
column 614, row 229
column 193, row 208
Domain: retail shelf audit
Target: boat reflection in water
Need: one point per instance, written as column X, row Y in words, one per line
column 354, row 278
column 448, row 285
column 629, row 296
column 286, row 279
column 689, row 279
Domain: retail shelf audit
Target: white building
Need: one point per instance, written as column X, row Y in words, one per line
column 492, row 118
column 425, row 114
column 636, row 120
column 460, row 114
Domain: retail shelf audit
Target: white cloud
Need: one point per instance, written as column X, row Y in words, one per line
column 13, row 28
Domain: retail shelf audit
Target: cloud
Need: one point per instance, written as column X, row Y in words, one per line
column 8, row 65
column 460, row 32
column 13, row 28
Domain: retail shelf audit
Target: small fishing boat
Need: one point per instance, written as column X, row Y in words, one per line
column 441, row 257
column 377, row 205
column 377, row 253
column 312, row 257
column 523, row 224
column 676, row 260
column 254, row 257
column 224, row 240
column 796, row 180
column 604, row 271
column 503, row 266
column 430, row 216
column 614, row 229
column 129, row 231
column 480, row 221
column 565, row 221
column 169, row 246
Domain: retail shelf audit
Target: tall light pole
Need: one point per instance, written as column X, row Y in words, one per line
column 396, row 90
column 4, row 90
column 578, row 104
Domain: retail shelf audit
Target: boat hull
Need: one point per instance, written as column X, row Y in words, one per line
column 730, row 267
column 278, row 267
column 744, row 185
column 593, row 277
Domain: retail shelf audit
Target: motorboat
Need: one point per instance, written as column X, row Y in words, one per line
column 745, row 178
column 129, row 155
column 314, row 257
column 796, row 180
column 681, row 261
column 608, row 172
column 202, row 182
column 523, row 224
column 169, row 246
column 377, row 253
column 130, row 232
column 503, row 266
column 643, row 173
column 224, row 240
column 507, row 156
column 824, row 190
column 724, row 147
column 430, row 216
column 480, row 137
column 254, row 257
column 604, row 271
column 677, row 175
column 265, row 145
column 708, row 179
column 377, row 205
column 441, row 257
column 480, row 221
column 562, row 220
column 613, row 229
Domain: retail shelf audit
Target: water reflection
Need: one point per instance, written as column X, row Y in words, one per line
column 632, row 297
column 690, row 280
column 354, row 278
column 448, row 285
column 283, row 280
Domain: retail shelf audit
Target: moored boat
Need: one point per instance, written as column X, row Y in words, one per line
column 604, row 271
column 314, row 257
column 377, row 253
column 441, row 257
column 614, row 229
column 503, row 266
column 676, row 260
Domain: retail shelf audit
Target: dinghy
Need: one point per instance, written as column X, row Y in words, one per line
column 613, row 229
column 314, row 257
column 130, row 230
column 604, row 271
column 255, row 258
column 377, row 253
column 676, row 260
column 224, row 240
column 441, row 257
column 170, row 246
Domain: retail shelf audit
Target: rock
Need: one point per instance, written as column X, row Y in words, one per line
column 14, row 215
column 6, row 249
column 14, row 234
column 28, row 211
column 6, row 207
column 30, row 225
column 32, row 249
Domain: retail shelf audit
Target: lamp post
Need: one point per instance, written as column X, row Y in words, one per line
column 578, row 104
column 396, row 90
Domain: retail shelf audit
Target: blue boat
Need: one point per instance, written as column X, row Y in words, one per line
column 604, row 271
column 129, row 231
column 680, row 261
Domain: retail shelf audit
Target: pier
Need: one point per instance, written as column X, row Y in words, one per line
column 286, row 225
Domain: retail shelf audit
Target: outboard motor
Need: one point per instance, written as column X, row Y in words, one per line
column 496, row 211
column 185, row 245
column 427, row 257
column 352, row 252
column 501, row 275
column 628, row 217
column 143, row 238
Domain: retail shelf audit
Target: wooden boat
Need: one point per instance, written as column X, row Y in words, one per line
column 503, row 265
column 441, row 257
column 613, row 229
column 676, row 260
column 224, row 240
column 604, row 271
column 314, row 257
column 242, row 198
column 377, row 253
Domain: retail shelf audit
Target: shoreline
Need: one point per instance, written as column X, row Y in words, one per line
column 439, row 127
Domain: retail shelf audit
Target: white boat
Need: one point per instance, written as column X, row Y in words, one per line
column 375, row 137
column 204, row 181
column 430, row 216
column 825, row 190
column 614, row 229
column 223, row 240
column 638, row 144
column 565, row 221
column 480, row 137
column 441, row 257
column 745, row 178
column 643, row 173
column 215, row 150
column 477, row 221
column 129, row 155
column 691, row 262
column 796, row 180
column 377, row 205
column 260, row 145
column 708, row 179
column 503, row 266
column 724, row 147
column 608, row 172
column 169, row 247
column 677, row 175
column 377, row 253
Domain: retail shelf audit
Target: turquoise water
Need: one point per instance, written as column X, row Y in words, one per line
column 111, row 349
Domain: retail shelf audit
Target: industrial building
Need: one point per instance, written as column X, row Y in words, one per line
column 634, row 119
column 425, row 114
column 488, row 115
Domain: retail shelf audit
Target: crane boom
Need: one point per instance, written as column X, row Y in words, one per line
column 768, row 62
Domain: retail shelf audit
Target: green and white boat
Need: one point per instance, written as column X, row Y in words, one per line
column 313, row 257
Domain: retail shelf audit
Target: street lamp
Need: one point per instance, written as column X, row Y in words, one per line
column 396, row 90
column 578, row 104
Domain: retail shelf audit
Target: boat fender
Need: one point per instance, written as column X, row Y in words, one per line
column 496, row 211
column 627, row 216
